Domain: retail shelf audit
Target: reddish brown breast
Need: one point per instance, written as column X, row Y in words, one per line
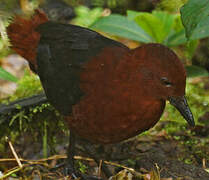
column 114, row 107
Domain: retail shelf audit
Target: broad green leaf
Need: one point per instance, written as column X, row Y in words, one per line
column 163, row 27
column 7, row 76
column 123, row 27
column 131, row 15
column 177, row 34
column 195, row 18
column 202, row 29
column 191, row 47
column 196, row 71
column 152, row 25
column 178, row 26
column 176, row 38
column 166, row 19
column 82, row 11
column 158, row 24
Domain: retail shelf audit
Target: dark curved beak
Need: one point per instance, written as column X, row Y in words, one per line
column 182, row 106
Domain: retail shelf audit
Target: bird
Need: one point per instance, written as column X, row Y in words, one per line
column 105, row 91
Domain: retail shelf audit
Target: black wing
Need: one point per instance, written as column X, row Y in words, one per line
column 62, row 50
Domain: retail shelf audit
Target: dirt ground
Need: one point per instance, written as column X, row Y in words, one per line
column 175, row 157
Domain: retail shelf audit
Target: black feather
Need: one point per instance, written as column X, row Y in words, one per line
column 62, row 50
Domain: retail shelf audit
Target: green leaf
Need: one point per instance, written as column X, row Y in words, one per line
column 195, row 18
column 202, row 29
column 178, row 26
column 163, row 27
column 86, row 17
column 152, row 25
column 177, row 34
column 7, row 76
column 166, row 19
column 191, row 47
column 82, row 11
column 196, row 71
column 131, row 15
column 176, row 38
column 158, row 24
column 122, row 26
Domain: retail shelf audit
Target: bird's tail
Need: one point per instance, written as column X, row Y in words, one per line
column 23, row 36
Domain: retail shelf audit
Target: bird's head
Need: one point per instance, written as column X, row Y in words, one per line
column 163, row 76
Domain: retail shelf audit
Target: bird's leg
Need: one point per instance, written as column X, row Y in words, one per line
column 91, row 152
column 68, row 165
column 70, row 169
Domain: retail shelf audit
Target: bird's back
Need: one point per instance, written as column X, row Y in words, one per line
column 62, row 53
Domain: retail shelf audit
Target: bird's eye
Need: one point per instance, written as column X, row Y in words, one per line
column 166, row 82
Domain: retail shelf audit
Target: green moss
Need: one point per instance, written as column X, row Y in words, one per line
column 198, row 100
column 27, row 86
column 31, row 121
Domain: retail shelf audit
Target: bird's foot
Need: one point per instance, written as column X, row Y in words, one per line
column 70, row 171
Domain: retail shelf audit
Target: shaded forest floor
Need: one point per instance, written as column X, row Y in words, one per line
column 180, row 156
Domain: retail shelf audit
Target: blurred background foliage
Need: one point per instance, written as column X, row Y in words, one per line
column 132, row 22
column 142, row 21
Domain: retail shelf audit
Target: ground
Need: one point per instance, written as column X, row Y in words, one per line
column 180, row 156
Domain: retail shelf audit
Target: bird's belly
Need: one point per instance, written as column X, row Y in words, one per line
column 105, row 120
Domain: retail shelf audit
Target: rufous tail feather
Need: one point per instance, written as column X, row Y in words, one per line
column 23, row 36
